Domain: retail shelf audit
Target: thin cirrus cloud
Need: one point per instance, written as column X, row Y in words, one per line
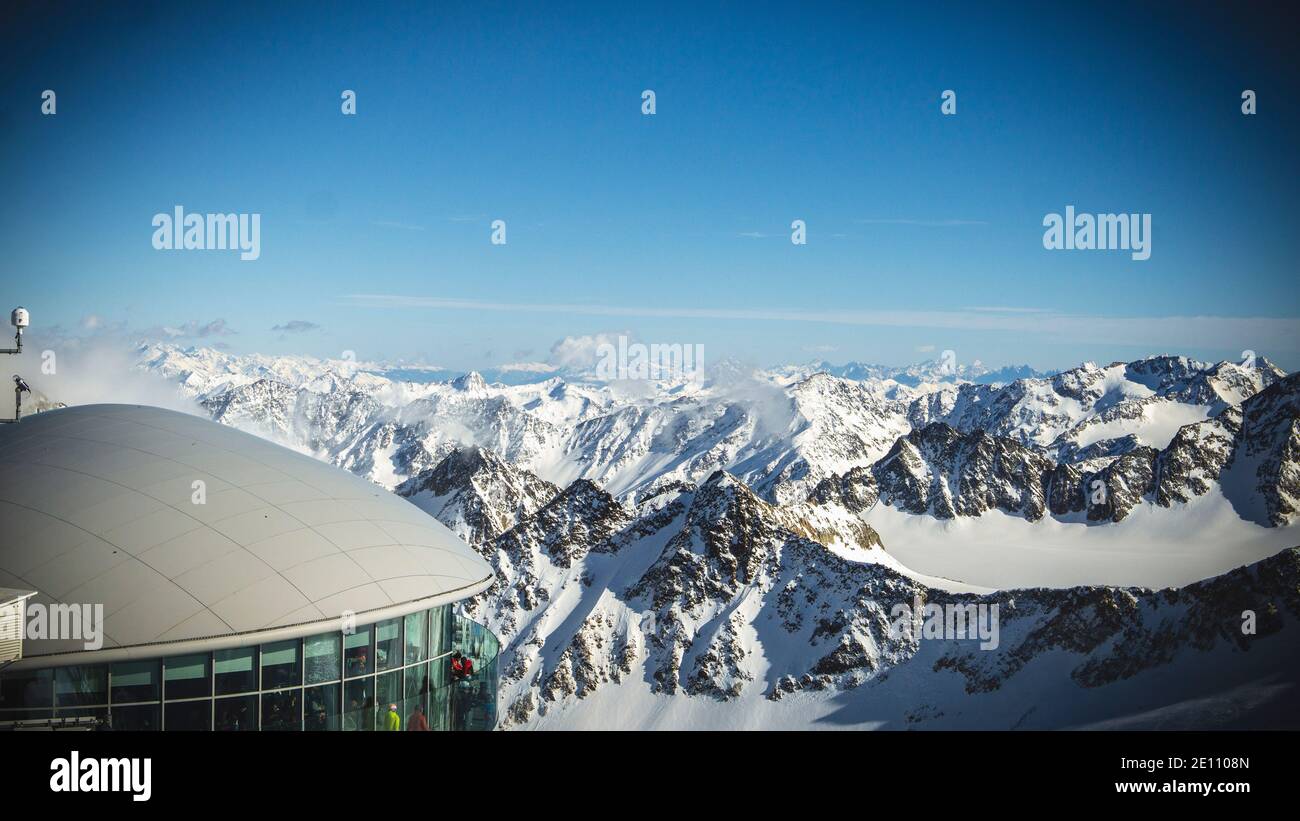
column 924, row 223
column 1007, row 309
column 1162, row 332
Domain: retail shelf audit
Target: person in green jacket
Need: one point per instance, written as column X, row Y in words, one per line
column 392, row 721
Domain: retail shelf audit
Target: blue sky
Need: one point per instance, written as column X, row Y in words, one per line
column 924, row 231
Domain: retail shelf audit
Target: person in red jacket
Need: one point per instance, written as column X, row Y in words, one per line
column 461, row 666
column 417, row 721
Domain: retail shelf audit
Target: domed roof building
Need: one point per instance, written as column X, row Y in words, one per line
column 187, row 575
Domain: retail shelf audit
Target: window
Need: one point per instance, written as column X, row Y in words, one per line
column 188, row 715
column 357, row 651
column 77, row 686
column 236, row 714
column 322, row 707
column 440, row 672
column 263, row 687
column 280, row 665
column 439, row 631
column 27, row 689
column 472, row 639
column 388, row 691
column 359, row 708
column 416, row 649
column 142, row 717
column 282, row 710
column 388, row 644
column 322, row 657
column 134, row 681
column 417, row 693
column 440, row 707
column 417, row 680
column 186, row 677
column 236, row 670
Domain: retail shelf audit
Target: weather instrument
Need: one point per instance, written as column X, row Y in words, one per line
column 20, row 319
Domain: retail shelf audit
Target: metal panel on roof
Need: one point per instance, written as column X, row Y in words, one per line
column 98, row 508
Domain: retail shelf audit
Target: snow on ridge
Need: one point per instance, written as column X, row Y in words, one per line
column 781, row 437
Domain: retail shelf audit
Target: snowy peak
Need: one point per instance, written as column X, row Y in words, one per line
column 471, row 382
column 729, row 522
column 1268, row 452
column 728, row 540
column 477, row 494
column 940, row 471
column 782, row 438
column 582, row 517
column 946, row 473
column 1149, row 399
column 932, row 371
column 780, row 434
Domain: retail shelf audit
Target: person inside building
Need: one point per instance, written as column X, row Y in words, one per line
column 392, row 721
column 417, row 721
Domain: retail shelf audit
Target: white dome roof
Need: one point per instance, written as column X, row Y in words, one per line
column 96, row 508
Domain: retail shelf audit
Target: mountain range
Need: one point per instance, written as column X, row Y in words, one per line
column 727, row 553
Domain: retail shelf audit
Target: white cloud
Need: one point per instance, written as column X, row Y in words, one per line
column 94, row 369
column 528, row 367
column 578, row 353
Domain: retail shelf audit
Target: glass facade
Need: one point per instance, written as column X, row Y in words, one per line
column 393, row 675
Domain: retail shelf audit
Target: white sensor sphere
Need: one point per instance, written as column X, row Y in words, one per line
column 19, row 318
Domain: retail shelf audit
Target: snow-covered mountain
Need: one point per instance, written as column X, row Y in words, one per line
column 476, row 494
column 728, row 553
column 712, row 607
column 780, row 434
column 938, row 470
column 930, row 371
